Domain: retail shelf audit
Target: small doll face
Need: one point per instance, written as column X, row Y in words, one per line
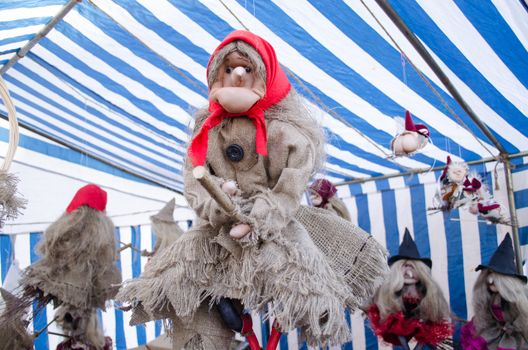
column 237, row 71
column 456, row 172
column 315, row 198
column 408, row 142
column 409, row 274
column 491, row 285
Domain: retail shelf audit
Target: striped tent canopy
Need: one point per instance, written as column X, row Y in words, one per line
column 120, row 80
column 115, row 83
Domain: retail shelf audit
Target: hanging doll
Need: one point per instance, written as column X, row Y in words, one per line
column 500, row 305
column 492, row 211
column 410, row 304
column 323, row 195
column 165, row 228
column 261, row 145
column 13, row 328
column 412, row 139
column 472, row 191
column 82, row 328
column 78, row 255
column 450, row 194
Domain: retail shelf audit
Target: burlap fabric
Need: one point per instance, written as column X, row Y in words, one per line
column 351, row 252
column 277, row 266
column 13, row 332
column 165, row 228
column 338, row 207
column 78, row 261
column 204, row 331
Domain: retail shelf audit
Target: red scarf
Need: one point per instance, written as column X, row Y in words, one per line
column 396, row 325
column 277, row 87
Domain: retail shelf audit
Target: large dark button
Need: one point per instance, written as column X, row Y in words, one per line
column 234, row 152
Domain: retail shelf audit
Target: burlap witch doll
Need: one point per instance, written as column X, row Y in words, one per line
column 260, row 144
column 165, row 228
column 323, row 195
column 500, row 305
column 410, row 304
column 78, row 256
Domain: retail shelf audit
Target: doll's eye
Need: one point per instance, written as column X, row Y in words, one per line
column 229, row 70
column 248, row 69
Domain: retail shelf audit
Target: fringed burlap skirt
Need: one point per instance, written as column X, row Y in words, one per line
column 289, row 275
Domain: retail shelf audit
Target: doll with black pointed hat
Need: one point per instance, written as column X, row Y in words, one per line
column 500, row 305
column 410, row 304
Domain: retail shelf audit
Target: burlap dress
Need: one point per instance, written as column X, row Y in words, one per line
column 277, row 266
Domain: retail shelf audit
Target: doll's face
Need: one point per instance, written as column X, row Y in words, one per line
column 237, row 71
column 491, row 285
column 315, row 198
column 409, row 274
column 456, row 172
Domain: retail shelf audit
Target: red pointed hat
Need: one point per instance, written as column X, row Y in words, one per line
column 325, row 189
column 444, row 173
column 90, row 195
column 277, row 87
column 419, row 128
column 473, row 185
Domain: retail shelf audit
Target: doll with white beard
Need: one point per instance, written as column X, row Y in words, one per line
column 500, row 305
column 450, row 192
column 410, row 304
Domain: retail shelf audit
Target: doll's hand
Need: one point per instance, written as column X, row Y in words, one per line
column 239, row 231
column 230, row 187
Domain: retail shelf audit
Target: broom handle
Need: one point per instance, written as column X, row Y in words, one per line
column 201, row 174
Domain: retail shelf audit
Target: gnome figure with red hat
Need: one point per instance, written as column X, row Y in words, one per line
column 500, row 305
column 452, row 185
column 410, row 304
column 412, row 139
column 78, row 254
column 261, row 146
column 323, row 195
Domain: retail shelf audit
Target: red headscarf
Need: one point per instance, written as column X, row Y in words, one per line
column 277, row 87
column 90, row 195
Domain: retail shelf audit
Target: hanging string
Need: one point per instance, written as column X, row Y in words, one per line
column 402, row 59
column 428, row 83
column 320, row 103
column 88, row 99
column 156, row 52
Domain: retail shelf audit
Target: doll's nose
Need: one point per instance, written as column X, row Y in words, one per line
column 239, row 71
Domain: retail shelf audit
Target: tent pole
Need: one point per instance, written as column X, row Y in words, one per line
column 424, row 170
column 420, row 48
column 25, row 49
column 513, row 216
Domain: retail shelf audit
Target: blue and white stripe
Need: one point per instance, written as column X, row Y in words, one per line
column 456, row 242
column 120, row 80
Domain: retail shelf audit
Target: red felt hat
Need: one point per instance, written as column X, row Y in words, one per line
column 90, row 195
column 444, row 172
column 473, row 185
column 419, row 128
